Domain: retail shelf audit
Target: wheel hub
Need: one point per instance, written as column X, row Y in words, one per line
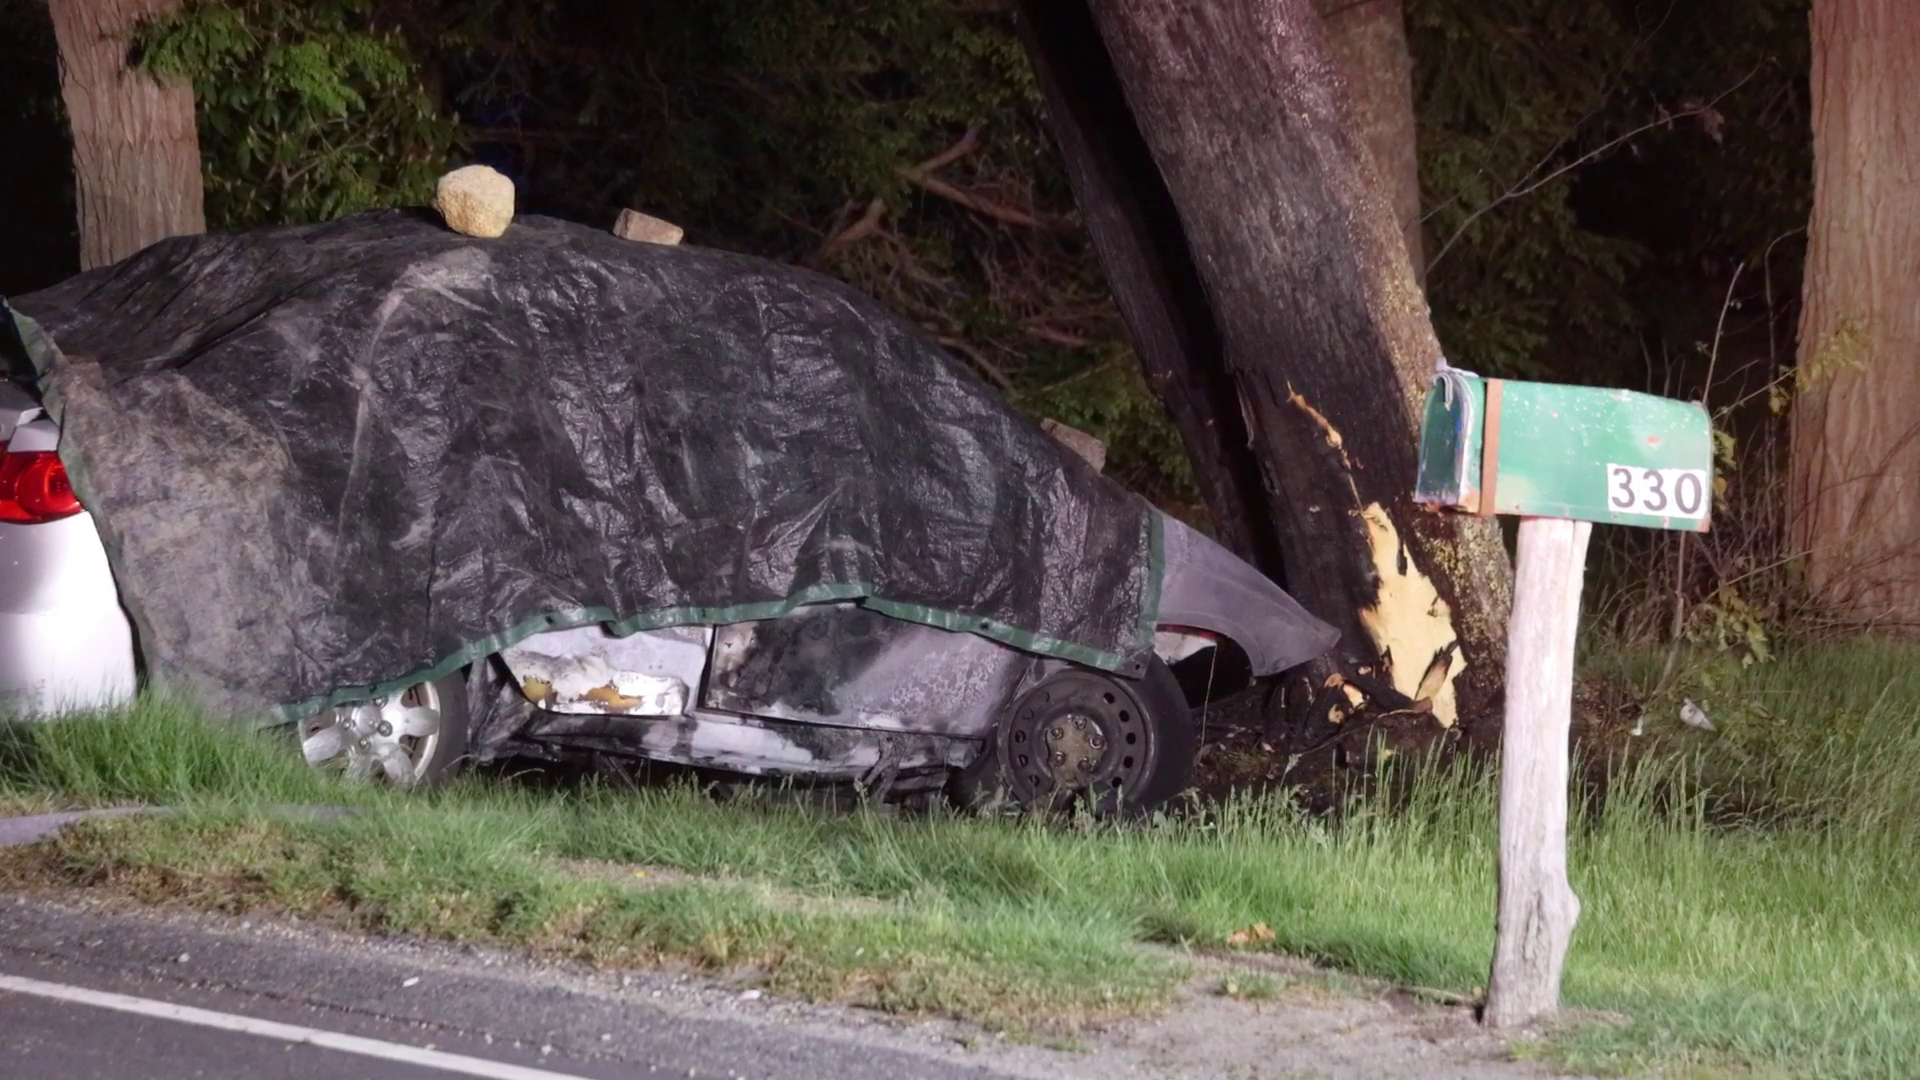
column 1076, row 733
column 392, row 736
column 1076, row 749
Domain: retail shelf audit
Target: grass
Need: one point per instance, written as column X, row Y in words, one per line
column 1751, row 900
column 1249, row 986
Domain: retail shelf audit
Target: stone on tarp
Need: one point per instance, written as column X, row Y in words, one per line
column 634, row 225
column 476, row 200
column 1088, row 447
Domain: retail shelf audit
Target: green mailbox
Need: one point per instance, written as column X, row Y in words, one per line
column 1496, row 446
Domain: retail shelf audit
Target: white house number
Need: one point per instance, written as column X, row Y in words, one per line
column 1680, row 493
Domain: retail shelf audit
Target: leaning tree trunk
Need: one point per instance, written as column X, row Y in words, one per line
column 1856, row 437
column 1369, row 40
column 1272, row 301
column 136, row 153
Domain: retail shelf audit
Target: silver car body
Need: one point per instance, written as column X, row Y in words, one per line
column 64, row 642
column 831, row 690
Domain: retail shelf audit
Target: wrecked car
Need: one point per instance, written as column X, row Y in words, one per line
column 428, row 499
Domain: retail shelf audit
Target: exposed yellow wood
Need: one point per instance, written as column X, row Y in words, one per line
column 1409, row 619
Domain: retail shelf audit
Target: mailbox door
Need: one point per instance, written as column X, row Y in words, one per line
column 1450, row 432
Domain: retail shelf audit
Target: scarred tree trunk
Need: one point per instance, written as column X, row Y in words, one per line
column 1275, row 309
column 1856, row 437
column 1370, row 41
column 136, row 153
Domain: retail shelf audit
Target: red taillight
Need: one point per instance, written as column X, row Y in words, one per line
column 34, row 488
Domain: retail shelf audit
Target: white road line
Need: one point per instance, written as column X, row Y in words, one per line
column 267, row 1029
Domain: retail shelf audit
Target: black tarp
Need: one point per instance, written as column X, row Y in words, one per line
column 331, row 459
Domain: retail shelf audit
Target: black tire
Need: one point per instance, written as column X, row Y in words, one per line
column 1136, row 736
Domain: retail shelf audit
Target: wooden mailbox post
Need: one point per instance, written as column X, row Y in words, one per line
column 1560, row 457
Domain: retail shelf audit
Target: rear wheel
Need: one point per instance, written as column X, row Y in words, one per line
column 1081, row 736
column 416, row 737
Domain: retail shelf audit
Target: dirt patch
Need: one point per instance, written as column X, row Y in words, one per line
column 1314, row 1027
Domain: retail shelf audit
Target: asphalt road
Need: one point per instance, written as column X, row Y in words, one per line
column 89, row 995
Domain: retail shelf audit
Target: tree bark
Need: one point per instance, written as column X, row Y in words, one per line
column 1272, row 300
column 136, row 152
column 1537, row 907
column 1136, row 231
column 1370, row 40
column 1856, row 434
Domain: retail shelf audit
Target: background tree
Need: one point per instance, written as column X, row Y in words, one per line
column 136, row 151
column 313, row 109
column 1856, row 444
column 39, row 232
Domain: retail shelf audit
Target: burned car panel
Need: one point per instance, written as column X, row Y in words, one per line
column 838, row 690
column 585, row 669
column 1205, row 586
column 844, row 665
column 755, row 746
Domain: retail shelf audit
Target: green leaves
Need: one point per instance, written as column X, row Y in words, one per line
column 307, row 110
column 1581, row 161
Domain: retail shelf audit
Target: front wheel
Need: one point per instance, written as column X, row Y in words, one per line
column 414, row 738
column 1116, row 745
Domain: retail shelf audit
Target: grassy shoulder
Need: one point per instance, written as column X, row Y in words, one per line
column 1772, row 930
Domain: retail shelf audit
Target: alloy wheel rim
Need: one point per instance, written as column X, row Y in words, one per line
column 391, row 738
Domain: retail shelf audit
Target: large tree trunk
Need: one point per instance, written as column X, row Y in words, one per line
column 1370, row 40
column 1274, row 306
column 1856, row 437
column 136, row 153
column 1136, row 230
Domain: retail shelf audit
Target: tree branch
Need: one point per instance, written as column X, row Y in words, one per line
column 1052, row 336
column 979, row 362
column 864, row 226
column 984, row 207
column 1524, row 187
column 968, row 144
column 922, row 176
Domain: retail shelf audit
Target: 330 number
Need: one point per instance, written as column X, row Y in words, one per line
column 1678, row 493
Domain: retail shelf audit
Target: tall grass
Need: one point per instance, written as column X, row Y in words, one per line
column 1751, row 899
column 157, row 750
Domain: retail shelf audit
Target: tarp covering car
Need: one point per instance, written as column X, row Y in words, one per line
column 331, row 460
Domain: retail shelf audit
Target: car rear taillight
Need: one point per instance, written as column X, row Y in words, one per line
column 34, row 488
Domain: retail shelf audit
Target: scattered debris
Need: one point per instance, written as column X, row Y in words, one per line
column 1257, row 932
column 1695, row 716
column 476, row 200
